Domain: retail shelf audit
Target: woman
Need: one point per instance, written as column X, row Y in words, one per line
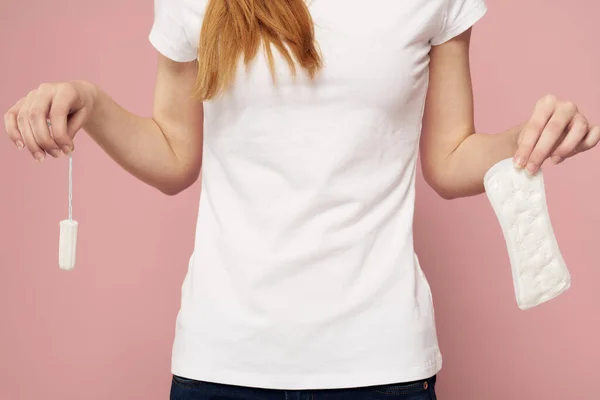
column 306, row 121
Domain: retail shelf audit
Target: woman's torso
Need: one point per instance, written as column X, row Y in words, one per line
column 303, row 273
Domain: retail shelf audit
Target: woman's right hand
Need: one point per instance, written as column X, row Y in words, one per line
column 47, row 119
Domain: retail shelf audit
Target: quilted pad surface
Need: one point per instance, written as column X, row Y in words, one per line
column 519, row 201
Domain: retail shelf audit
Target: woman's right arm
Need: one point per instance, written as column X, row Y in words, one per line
column 165, row 151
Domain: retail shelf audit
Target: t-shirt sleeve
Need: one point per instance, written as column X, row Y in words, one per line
column 460, row 15
column 168, row 34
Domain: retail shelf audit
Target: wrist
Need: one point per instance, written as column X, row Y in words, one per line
column 88, row 92
column 89, row 96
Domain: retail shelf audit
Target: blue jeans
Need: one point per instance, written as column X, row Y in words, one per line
column 187, row 389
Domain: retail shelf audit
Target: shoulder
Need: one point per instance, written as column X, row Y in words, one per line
column 192, row 12
column 457, row 17
column 176, row 29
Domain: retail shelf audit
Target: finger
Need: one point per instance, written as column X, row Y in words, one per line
column 59, row 115
column 591, row 139
column 26, row 132
column 551, row 136
column 575, row 135
column 530, row 134
column 38, row 116
column 10, row 124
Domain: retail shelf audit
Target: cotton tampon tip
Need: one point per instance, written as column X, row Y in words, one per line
column 67, row 244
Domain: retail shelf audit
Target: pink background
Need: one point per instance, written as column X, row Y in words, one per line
column 105, row 330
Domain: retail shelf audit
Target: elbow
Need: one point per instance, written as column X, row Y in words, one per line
column 439, row 183
column 171, row 190
column 178, row 184
column 444, row 191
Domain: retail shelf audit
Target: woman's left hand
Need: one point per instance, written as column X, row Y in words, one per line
column 556, row 130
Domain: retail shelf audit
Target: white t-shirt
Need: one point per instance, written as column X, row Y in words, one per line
column 303, row 274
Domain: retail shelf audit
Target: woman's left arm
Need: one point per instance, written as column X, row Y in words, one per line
column 455, row 159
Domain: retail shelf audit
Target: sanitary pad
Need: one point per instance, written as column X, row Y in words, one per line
column 519, row 201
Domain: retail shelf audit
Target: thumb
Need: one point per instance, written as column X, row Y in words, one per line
column 75, row 123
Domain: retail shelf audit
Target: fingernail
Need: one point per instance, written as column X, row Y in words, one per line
column 557, row 160
column 519, row 162
column 531, row 168
column 66, row 150
column 20, row 145
column 39, row 156
column 55, row 153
